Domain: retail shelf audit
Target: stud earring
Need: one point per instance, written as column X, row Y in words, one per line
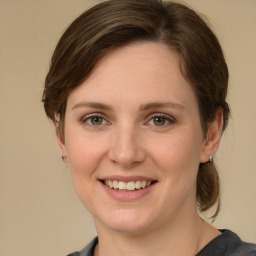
column 63, row 158
column 211, row 159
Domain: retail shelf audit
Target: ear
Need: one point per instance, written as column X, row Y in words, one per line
column 213, row 137
column 60, row 140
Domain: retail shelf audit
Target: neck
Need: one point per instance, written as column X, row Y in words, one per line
column 177, row 238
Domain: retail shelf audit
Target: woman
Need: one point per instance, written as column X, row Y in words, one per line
column 137, row 92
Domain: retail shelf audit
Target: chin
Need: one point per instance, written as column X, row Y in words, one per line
column 126, row 223
column 129, row 228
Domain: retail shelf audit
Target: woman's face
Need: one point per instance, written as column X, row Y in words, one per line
column 134, row 123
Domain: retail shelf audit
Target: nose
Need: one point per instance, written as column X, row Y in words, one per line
column 126, row 147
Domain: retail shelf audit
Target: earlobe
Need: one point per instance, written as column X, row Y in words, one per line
column 212, row 141
column 60, row 141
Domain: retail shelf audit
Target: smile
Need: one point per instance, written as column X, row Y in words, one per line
column 127, row 186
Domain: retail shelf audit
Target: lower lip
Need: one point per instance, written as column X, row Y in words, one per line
column 128, row 195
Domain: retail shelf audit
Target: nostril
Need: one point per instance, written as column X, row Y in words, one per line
column 126, row 148
column 127, row 159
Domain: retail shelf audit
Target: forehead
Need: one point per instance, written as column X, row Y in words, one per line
column 138, row 72
column 138, row 60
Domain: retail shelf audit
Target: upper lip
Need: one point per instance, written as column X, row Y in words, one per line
column 127, row 178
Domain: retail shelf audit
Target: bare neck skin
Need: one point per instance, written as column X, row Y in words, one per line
column 186, row 237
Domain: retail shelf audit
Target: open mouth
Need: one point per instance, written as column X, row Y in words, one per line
column 127, row 186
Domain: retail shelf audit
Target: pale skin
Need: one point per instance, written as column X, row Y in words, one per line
column 136, row 117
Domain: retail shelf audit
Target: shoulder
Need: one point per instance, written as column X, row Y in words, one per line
column 88, row 250
column 228, row 244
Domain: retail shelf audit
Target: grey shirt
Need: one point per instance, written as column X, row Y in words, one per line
column 226, row 244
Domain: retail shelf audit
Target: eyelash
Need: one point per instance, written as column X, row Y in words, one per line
column 166, row 118
column 88, row 117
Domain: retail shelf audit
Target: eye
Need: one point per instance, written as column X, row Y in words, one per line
column 161, row 120
column 94, row 120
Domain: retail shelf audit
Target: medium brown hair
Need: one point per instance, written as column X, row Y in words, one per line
column 116, row 23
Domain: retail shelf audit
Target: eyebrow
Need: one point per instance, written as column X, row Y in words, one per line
column 95, row 105
column 155, row 105
column 144, row 107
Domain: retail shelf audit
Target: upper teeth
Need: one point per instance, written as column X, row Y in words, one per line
column 131, row 185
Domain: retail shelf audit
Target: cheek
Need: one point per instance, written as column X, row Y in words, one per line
column 84, row 158
column 178, row 150
column 179, row 162
column 83, row 149
column 84, row 155
column 178, row 159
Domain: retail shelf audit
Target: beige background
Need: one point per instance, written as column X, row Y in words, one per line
column 39, row 212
